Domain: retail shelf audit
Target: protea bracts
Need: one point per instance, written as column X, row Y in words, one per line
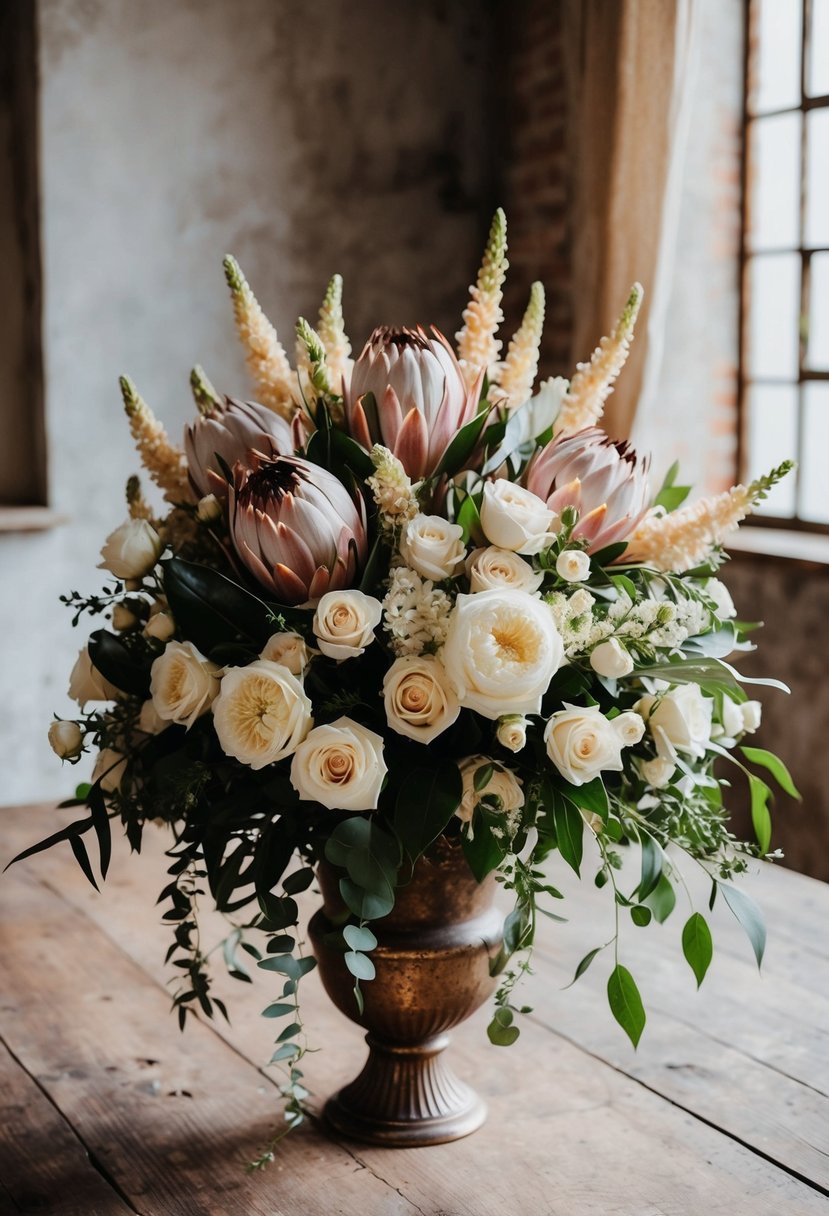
column 231, row 430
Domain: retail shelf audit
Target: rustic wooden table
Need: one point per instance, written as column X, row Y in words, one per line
column 106, row 1108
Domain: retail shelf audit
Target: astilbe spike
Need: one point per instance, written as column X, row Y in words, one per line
column 331, row 329
column 516, row 375
column 592, row 384
column 266, row 359
column 477, row 345
column 137, row 504
column 314, row 362
column 164, row 462
column 685, row 538
column 204, row 394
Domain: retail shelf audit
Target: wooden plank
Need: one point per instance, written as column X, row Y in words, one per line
column 554, row 1110
column 44, row 1167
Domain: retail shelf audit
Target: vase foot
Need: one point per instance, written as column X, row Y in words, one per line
column 405, row 1097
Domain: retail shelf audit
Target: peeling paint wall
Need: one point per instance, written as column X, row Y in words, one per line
column 306, row 140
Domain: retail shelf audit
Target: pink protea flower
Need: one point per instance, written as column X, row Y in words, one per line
column 605, row 479
column 296, row 528
column 232, row 429
column 420, row 397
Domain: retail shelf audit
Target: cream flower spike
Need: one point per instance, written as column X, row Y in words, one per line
column 516, row 375
column 331, row 329
column 477, row 345
column 311, row 358
column 204, row 394
column 683, row 539
column 592, row 384
column 266, row 359
column 137, row 504
column 164, row 462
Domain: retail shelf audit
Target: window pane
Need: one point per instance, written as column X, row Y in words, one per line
column 774, row 306
column 814, row 488
column 818, row 68
column 778, row 59
column 817, row 186
column 818, row 354
column 772, row 437
column 775, row 186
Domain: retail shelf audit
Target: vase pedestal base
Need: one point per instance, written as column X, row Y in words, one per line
column 405, row 1097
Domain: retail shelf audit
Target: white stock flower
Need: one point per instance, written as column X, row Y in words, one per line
column 501, row 652
column 502, row 784
column 420, row 702
column 491, row 568
column 150, row 720
column 87, row 684
column 415, row 613
column 341, row 766
column 344, row 623
column 160, row 626
column 513, row 518
column 66, row 739
column 582, row 742
column 183, row 683
column 573, row 565
column 261, row 714
column 611, row 659
column 752, row 712
column 132, row 550
column 109, row 769
column 657, row 772
column 679, row 720
column 289, row 649
column 719, row 593
column 512, row 732
column 432, row 546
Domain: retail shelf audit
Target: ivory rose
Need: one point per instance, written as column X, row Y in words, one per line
column 502, row 784
column 582, row 742
column 611, row 659
column 341, row 766
column 512, row 732
column 87, row 684
column 679, row 721
column 160, row 626
column 344, row 623
column 109, row 769
column 657, row 772
column 150, row 720
column 66, row 739
column 491, row 568
column 261, row 714
column 183, row 683
column 420, row 702
column 132, row 550
column 573, row 565
column 289, row 649
column 752, row 712
column 513, row 518
column 432, row 546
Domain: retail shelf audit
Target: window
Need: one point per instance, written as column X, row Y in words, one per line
column 784, row 350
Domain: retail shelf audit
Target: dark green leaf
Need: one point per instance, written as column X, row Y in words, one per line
column 697, row 945
column 100, row 822
column 652, row 857
column 278, row 1010
column 483, row 851
column 626, row 1003
column 778, row 770
column 662, row 899
column 287, row 964
column 760, row 817
column 569, row 829
column 367, row 905
column 116, row 663
column 300, row 880
column 427, row 800
column 211, row 609
column 592, row 796
column 500, row 1030
column 376, row 567
column 82, row 857
column 749, row 916
column 640, row 915
column 360, row 965
column 289, row 1032
column 584, row 964
column 462, row 446
column 605, row 556
column 73, row 829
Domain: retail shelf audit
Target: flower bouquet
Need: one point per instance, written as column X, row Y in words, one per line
column 412, row 620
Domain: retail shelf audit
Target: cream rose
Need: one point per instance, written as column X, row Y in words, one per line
column 679, row 720
column 493, row 568
column 344, row 623
column 420, row 702
column 432, row 546
column 513, row 518
column 611, row 659
column 87, row 684
column 183, row 683
column 501, row 651
column 66, row 739
column 123, row 618
column 657, row 772
column 132, row 550
column 150, row 721
column 289, row 649
column 719, row 593
column 573, row 565
column 502, row 784
column 631, row 727
column 341, row 766
column 261, row 714
column 512, row 732
column 160, row 626
column 582, row 742
column 109, row 769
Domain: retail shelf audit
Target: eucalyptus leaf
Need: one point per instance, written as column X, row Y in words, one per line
column 749, row 916
column 359, row 937
column 360, row 965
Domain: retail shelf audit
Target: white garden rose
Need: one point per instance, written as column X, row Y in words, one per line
column 573, row 565
column 420, row 702
column 261, row 714
column 582, row 742
column 679, row 720
column 87, row 684
column 502, row 784
column 183, row 683
column 657, row 772
column 344, row 623
column 66, row 739
column 501, row 651
column 611, row 659
column 432, row 546
column 512, row 732
column 341, row 766
column 752, row 712
column 132, row 550
column 513, row 518
column 630, row 726
column 160, row 626
column 491, row 568
column 719, row 593
column 730, row 725
column 109, row 769
column 289, row 649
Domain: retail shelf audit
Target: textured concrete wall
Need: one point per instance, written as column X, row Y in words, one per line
column 305, row 139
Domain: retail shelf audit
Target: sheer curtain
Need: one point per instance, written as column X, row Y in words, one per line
column 630, row 64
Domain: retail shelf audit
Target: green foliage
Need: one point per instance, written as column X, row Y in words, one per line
column 697, row 945
column 626, row 1003
column 749, row 916
column 426, row 802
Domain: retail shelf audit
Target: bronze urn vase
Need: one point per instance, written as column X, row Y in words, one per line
column 432, row 971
